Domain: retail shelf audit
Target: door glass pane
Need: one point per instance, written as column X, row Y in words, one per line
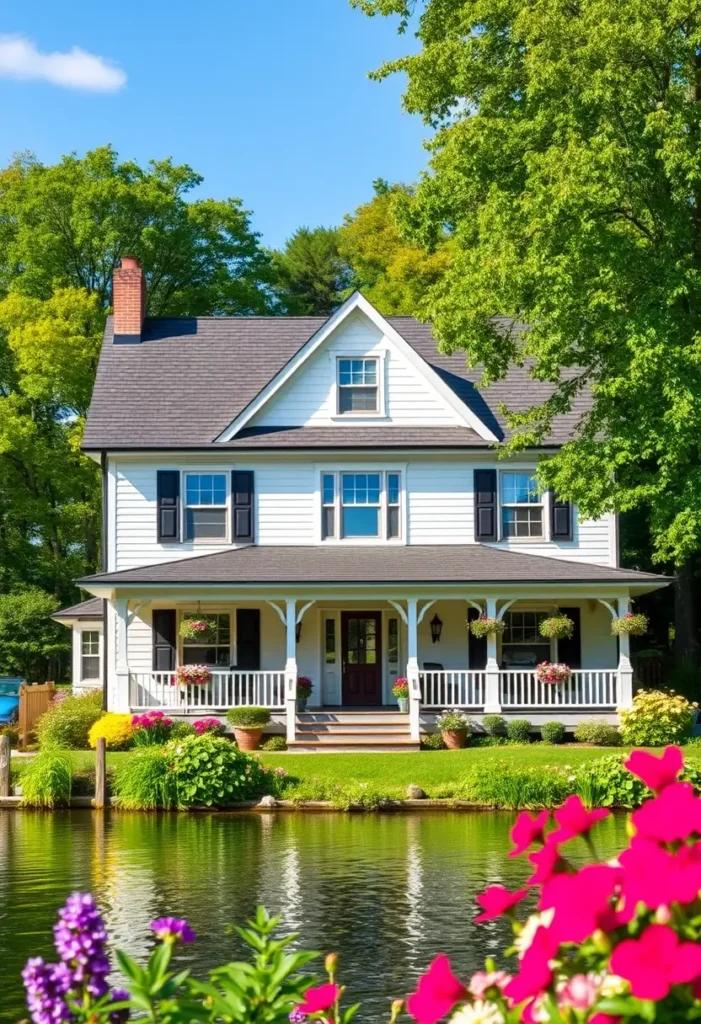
column 393, row 641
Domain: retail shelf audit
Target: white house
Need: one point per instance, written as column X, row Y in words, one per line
column 330, row 493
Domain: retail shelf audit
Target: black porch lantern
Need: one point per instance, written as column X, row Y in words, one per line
column 436, row 629
column 298, row 631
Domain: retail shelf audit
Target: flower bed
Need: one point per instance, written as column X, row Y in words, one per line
column 553, row 672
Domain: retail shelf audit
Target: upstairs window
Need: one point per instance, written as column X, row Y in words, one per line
column 206, row 510
column 360, row 499
column 90, row 654
column 361, row 505
column 358, row 386
column 521, row 506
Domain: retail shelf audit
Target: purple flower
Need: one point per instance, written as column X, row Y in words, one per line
column 119, row 995
column 172, row 929
column 80, row 938
column 297, row 1017
column 46, row 985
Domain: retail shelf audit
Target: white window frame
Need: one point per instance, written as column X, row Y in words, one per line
column 542, row 503
column 191, row 613
column 379, row 357
column 211, row 541
column 337, row 473
column 551, row 643
column 98, row 654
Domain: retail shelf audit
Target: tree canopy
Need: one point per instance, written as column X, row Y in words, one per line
column 311, row 277
column 566, row 162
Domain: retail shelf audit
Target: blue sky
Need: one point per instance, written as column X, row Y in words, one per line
column 268, row 99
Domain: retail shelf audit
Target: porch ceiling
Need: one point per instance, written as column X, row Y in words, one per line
column 372, row 564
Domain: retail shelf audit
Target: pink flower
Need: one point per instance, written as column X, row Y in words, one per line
column 674, row 814
column 655, row 876
column 575, row 820
column 604, row 1018
column 482, row 981
column 656, row 961
column 547, row 861
column 580, row 992
column 496, row 900
column 656, row 772
column 535, row 972
column 318, row 999
column 581, row 902
column 527, row 831
column 437, row 992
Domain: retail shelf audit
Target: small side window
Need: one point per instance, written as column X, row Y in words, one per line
column 393, row 525
column 328, row 505
column 330, row 641
column 90, row 654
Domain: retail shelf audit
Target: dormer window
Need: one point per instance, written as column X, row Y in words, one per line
column 358, row 386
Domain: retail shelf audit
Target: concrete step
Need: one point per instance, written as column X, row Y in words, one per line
column 333, row 728
column 374, row 745
column 352, row 717
column 344, row 735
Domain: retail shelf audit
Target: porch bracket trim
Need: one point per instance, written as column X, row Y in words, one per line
column 609, row 606
column 398, row 608
column 280, row 612
column 301, row 613
column 476, row 604
column 422, row 613
column 504, row 608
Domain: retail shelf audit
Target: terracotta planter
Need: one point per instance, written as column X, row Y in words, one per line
column 248, row 739
column 455, row 739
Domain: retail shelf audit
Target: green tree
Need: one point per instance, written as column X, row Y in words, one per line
column 311, row 277
column 392, row 272
column 31, row 643
column 567, row 159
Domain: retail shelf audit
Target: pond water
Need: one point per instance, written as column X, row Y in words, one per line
column 385, row 891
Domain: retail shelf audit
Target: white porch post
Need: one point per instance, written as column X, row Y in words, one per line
column 625, row 669
column 119, row 699
column 492, row 704
column 291, row 668
column 412, row 668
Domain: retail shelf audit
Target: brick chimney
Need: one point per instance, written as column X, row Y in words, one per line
column 128, row 301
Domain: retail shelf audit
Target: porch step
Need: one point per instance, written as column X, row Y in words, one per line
column 365, row 730
column 369, row 745
column 361, row 728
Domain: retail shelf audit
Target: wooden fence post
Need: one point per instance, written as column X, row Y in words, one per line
column 4, row 766
column 100, row 773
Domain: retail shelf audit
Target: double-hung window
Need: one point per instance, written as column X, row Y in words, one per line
column 215, row 647
column 90, row 654
column 358, row 386
column 206, row 508
column 521, row 506
column 361, row 506
column 522, row 646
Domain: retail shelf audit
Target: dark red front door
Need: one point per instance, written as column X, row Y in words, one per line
column 362, row 657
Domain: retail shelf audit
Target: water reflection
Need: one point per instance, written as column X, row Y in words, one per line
column 387, row 892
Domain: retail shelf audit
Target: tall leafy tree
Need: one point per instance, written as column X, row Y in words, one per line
column 567, row 160
column 311, row 276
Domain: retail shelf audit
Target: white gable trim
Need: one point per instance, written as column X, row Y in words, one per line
column 357, row 302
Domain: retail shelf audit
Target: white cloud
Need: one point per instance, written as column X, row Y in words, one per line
column 76, row 69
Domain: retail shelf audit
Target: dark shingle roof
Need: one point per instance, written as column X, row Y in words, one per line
column 189, row 378
column 90, row 609
column 443, row 563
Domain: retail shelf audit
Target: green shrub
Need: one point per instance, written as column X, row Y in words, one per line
column 271, row 743
column 505, row 785
column 491, row 741
column 47, row 779
column 552, row 732
column 144, row 781
column 599, row 734
column 494, row 725
column 12, row 733
column 607, row 783
column 657, row 718
column 432, row 741
column 248, row 718
column 211, row 770
column 519, row 729
column 365, row 795
column 180, row 729
column 67, row 723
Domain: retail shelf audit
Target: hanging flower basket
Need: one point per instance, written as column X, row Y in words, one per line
column 557, row 627
column 553, row 672
column 484, row 626
column 631, row 624
column 197, row 631
column 193, row 675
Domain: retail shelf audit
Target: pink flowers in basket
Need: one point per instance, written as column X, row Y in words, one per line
column 553, row 672
column 192, row 675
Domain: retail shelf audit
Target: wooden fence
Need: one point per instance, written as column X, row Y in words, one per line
column 34, row 700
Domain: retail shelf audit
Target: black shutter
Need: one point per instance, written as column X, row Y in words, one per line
column 560, row 519
column 164, row 646
column 168, row 502
column 485, row 485
column 477, row 645
column 570, row 651
column 248, row 639
column 242, row 504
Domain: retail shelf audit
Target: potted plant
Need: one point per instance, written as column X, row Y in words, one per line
column 196, row 630
column 304, row 692
column 192, row 675
column 631, row 623
column 557, row 626
column 401, row 691
column 486, row 626
column 455, row 728
column 248, row 724
column 553, row 672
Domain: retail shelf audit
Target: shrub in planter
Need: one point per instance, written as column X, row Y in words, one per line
column 197, row 630
column 47, row 779
column 600, row 734
column 400, row 691
column 67, row 724
column 211, row 770
column 494, row 725
column 455, row 728
column 151, row 729
column 116, row 730
column 248, row 724
column 630, row 623
column 519, row 730
column 557, row 627
column 203, row 725
column 552, row 732
column 485, row 626
column 274, row 743
column 657, row 717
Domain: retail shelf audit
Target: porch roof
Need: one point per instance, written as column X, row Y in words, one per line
column 90, row 609
column 372, row 564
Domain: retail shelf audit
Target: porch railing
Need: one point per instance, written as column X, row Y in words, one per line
column 226, row 690
column 452, row 689
column 590, row 688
